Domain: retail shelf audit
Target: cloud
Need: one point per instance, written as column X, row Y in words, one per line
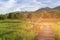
column 26, row 5
column 29, row 5
column 5, row 6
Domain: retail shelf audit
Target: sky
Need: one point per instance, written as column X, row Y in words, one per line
column 7, row 6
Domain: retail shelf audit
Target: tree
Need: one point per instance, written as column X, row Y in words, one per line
column 2, row 17
column 11, row 15
column 15, row 15
column 29, row 16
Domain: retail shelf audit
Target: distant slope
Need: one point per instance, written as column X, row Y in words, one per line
column 43, row 9
column 57, row 8
column 47, row 9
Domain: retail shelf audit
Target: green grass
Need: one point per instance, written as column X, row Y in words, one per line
column 56, row 28
column 11, row 21
column 21, row 30
column 16, row 30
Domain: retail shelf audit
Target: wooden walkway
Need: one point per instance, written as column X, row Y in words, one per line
column 46, row 34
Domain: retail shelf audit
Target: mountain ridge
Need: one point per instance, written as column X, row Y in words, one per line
column 48, row 8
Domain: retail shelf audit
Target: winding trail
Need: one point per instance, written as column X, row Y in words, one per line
column 46, row 33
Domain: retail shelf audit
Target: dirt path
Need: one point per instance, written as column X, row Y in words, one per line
column 46, row 34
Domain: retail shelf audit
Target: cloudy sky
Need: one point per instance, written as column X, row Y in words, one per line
column 26, row 5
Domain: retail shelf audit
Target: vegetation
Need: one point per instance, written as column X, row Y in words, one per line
column 56, row 28
column 2, row 17
column 15, row 26
column 16, row 31
column 29, row 15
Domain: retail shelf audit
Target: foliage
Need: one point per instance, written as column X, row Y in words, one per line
column 2, row 17
column 29, row 15
column 14, row 26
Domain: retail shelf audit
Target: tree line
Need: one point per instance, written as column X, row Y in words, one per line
column 15, row 15
column 29, row 15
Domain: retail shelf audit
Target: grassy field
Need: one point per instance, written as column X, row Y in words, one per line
column 56, row 28
column 22, row 30
column 16, row 30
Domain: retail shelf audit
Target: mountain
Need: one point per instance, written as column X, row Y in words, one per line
column 57, row 8
column 44, row 9
column 48, row 9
